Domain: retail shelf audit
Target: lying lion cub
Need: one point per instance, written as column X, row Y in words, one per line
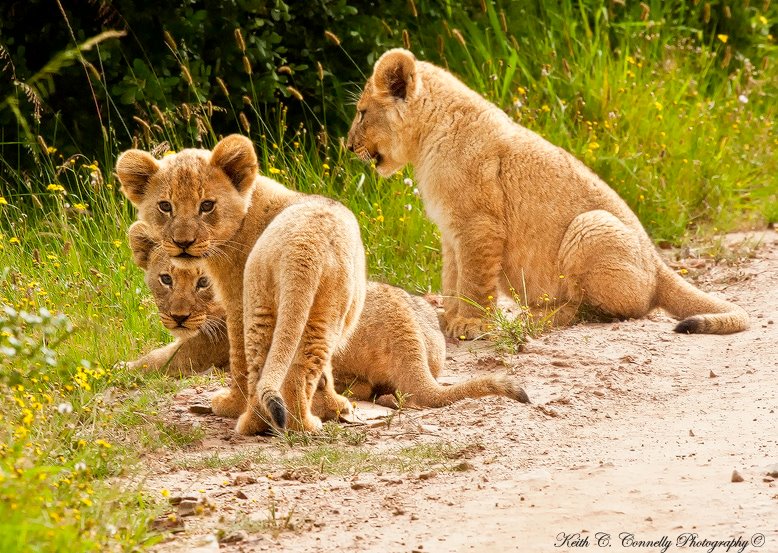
column 289, row 269
column 515, row 210
column 184, row 298
column 397, row 347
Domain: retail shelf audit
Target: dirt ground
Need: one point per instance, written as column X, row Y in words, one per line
column 630, row 444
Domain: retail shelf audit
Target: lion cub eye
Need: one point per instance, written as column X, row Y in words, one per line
column 362, row 114
column 207, row 206
column 166, row 279
column 203, row 282
column 165, row 207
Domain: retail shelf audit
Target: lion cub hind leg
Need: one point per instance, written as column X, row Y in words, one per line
column 605, row 260
column 258, row 336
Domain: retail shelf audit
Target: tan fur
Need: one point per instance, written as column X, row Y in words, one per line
column 201, row 339
column 396, row 349
column 304, row 277
column 515, row 210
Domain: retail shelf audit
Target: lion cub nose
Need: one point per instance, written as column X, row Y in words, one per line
column 180, row 319
column 183, row 244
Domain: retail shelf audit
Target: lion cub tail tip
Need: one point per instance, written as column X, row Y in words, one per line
column 716, row 323
column 276, row 408
column 517, row 392
column 691, row 325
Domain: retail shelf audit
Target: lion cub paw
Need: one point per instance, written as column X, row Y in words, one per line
column 251, row 422
column 228, row 403
column 465, row 328
column 309, row 423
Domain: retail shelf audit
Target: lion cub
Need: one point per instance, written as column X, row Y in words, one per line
column 289, row 269
column 397, row 347
column 515, row 210
column 184, row 298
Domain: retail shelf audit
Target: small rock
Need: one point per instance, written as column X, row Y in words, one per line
column 691, row 433
column 736, row 476
column 168, row 523
column 177, row 499
column 712, row 375
column 188, row 508
column 240, row 495
column 463, row 466
column 772, row 471
column 200, row 409
column 768, row 479
column 244, row 480
column 356, row 485
column 235, row 537
column 649, row 519
column 427, row 475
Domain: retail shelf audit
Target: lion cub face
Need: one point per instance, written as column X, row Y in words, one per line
column 381, row 130
column 194, row 201
column 184, row 296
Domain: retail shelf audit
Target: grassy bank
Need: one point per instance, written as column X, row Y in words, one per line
column 680, row 124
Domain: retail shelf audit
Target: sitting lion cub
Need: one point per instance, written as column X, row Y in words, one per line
column 184, row 298
column 288, row 268
column 397, row 347
column 515, row 210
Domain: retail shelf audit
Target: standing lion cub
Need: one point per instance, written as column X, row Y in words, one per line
column 514, row 210
column 288, row 268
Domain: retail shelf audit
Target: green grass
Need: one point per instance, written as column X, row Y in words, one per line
column 652, row 105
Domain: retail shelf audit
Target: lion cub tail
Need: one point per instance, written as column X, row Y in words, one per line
column 434, row 394
column 293, row 313
column 700, row 313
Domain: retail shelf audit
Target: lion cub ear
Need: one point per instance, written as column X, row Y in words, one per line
column 236, row 157
column 395, row 73
column 135, row 168
column 141, row 244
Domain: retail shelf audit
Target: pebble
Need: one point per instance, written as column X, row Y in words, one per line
column 736, row 477
column 427, row 475
column 200, row 409
column 244, row 480
column 235, row 537
column 357, row 485
column 187, row 508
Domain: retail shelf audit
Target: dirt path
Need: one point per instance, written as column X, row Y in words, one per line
column 634, row 430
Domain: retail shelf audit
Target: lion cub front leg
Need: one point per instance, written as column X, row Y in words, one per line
column 450, row 280
column 327, row 403
column 479, row 261
column 232, row 402
column 258, row 337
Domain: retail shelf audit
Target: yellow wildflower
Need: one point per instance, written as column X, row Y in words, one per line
column 3, row 201
column 274, row 171
column 723, row 38
column 79, row 207
column 14, row 240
